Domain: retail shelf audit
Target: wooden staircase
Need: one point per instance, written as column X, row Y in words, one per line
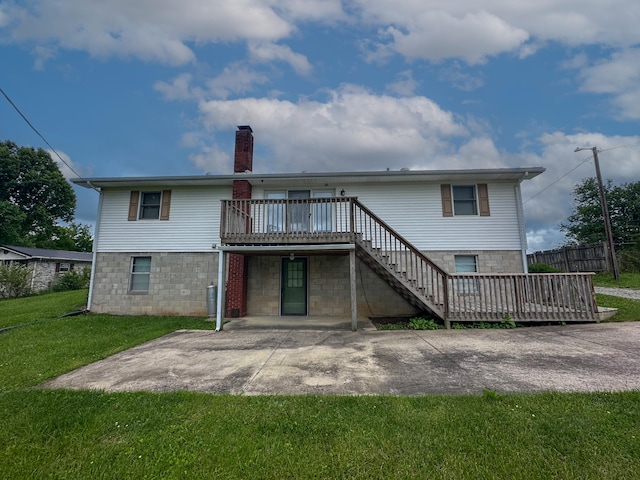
column 468, row 297
column 407, row 270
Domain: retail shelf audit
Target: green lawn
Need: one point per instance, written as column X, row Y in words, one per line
column 86, row 435
column 628, row 309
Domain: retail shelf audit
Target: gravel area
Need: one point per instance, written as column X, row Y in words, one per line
column 619, row 292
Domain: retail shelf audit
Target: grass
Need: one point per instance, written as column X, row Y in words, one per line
column 29, row 309
column 628, row 309
column 626, row 280
column 79, row 435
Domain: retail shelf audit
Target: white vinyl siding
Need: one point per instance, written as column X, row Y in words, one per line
column 194, row 225
column 415, row 211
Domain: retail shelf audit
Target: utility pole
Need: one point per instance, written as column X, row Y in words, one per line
column 605, row 212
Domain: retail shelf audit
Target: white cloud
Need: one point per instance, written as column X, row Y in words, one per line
column 178, row 89
column 405, row 85
column 619, row 76
column 436, row 35
column 165, row 30
column 152, row 30
column 67, row 168
column 352, row 129
column 269, row 52
column 236, row 78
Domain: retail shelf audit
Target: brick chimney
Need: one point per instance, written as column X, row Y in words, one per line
column 238, row 263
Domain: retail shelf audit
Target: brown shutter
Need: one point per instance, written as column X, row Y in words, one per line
column 166, row 205
column 447, row 203
column 483, row 199
column 57, row 267
column 133, row 205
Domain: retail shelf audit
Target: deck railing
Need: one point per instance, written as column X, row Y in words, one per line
column 523, row 297
column 292, row 220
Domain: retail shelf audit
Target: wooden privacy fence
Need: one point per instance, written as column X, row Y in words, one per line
column 584, row 258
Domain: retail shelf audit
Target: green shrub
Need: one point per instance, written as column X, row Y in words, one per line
column 421, row 323
column 74, row 280
column 15, row 281
column 543, row 268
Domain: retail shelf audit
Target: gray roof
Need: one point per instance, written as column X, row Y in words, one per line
column 43, row 253
column 305, row 178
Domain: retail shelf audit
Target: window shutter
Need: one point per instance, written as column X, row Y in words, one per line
column 483, row 199
column 447, row 203
column 57, row 267
column 133, row 205
column 166, row 205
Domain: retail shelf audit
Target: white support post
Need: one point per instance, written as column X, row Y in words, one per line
column 221, row 292
column 352, row 282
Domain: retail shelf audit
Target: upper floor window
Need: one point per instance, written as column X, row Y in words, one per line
column 464, row 200
column 150, row 205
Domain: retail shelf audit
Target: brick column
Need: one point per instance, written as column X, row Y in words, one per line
column 238, row 263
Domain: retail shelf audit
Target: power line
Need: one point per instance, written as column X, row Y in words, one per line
column 577, row 166
column 558, row 179
column 40, row 135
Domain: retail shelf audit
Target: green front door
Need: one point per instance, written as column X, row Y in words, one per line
column 294, row 286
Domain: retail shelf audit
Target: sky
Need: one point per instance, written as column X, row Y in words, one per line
column 157, row 87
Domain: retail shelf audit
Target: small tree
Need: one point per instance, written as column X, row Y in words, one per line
column 74, row 280
column 15, row 281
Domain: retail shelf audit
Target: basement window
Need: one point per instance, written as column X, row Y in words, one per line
column 140, row 274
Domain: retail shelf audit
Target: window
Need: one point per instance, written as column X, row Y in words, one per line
column 275, row 212
column 465, row 200
column 140, row 274
column 297, row 214
column 63, row 267
column 322, row 212
column 466, row 264
column 149, row 205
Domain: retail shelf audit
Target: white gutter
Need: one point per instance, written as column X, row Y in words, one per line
column 95, row 252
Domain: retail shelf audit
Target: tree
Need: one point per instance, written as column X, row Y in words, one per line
column 34, row 196
column 75, row 236
column 586, row 224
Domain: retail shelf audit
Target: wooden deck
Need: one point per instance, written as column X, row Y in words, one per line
column 452, row 297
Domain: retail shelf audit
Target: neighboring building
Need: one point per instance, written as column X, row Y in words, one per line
column 45, row 265
column 384, row 243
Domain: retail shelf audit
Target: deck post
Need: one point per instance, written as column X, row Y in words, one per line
column 352, row 284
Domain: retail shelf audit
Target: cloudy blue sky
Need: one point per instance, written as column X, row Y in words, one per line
column 157, row 87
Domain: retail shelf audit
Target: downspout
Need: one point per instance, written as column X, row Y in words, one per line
column 94, row 249
column 521, row 226
column 221, row 289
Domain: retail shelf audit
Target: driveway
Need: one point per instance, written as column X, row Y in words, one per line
column 332, row 360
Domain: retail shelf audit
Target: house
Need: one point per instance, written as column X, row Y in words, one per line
column 45, row 265
column 449, row 242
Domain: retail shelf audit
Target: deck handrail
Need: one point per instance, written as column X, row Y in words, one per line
column 424, row 277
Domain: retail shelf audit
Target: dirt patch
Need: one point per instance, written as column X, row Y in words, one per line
column 379, row 322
